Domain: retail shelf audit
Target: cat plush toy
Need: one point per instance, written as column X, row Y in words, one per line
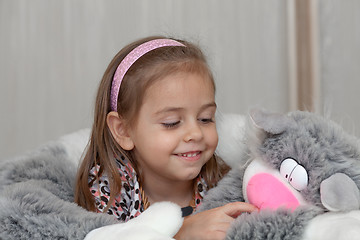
column 301, row 170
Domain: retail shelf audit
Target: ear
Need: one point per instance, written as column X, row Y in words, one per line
column 118, row 128
column 274, row 123
column 339, row 193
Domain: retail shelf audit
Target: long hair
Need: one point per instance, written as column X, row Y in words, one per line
column 102, row 147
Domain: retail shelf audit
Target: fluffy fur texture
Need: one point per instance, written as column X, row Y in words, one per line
column 159, row 222
column 330, row 156
column 231, row 127
column 36, row 200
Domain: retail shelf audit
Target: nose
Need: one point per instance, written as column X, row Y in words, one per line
column 193, row 132
column 265, row 191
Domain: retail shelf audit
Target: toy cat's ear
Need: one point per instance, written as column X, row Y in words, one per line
column 273, row 123
column 340, row 193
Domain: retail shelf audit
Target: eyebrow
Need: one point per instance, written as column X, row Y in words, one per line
column 176, row 109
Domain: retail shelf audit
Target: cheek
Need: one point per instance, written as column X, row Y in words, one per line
column 163, row 142
column 212, row 138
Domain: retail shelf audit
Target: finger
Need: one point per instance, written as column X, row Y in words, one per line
column 223, row 226
column 234, row 209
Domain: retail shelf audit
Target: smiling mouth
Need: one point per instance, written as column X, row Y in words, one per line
column 189, row 155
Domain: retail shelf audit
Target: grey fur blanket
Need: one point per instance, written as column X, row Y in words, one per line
column 36, row 194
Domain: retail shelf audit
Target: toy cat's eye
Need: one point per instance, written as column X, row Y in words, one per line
column 294, row 173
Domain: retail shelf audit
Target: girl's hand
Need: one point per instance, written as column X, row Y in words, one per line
column 212, row 224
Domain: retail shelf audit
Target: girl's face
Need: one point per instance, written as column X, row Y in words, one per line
column 175, row 133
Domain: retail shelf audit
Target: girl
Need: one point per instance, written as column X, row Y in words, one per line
column 154, row 137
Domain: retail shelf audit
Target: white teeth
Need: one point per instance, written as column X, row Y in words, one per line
column 188, row 154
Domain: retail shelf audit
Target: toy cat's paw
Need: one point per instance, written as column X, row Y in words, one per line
column 161, row 221
column 334, row 225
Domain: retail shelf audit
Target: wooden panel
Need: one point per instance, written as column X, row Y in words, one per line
column 303, row 32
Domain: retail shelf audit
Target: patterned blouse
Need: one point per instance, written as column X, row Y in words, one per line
column 128, row 203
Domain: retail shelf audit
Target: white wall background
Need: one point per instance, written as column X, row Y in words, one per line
column 53, row 54
column 339, row 34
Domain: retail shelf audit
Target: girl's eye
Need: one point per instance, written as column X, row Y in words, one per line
column 171, row 124
column 206, row 120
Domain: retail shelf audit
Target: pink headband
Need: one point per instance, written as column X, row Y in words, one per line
column 130, row 59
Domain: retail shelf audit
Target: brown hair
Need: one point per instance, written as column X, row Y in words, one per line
column 102, row 147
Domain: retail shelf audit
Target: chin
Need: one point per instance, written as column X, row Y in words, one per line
column 192, row 175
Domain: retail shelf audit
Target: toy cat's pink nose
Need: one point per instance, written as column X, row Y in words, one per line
column 267, row 192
